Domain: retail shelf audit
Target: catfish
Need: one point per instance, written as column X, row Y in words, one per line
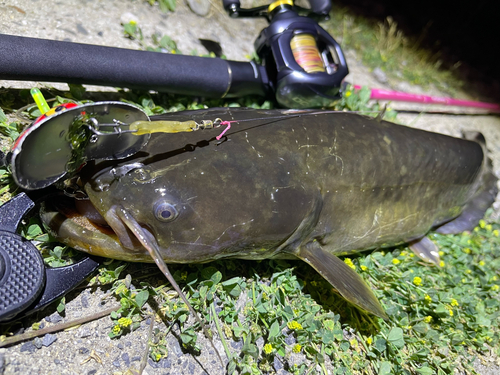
column 280, row 184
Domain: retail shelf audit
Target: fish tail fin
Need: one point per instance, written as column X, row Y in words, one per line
column 349, row 284
column 484, row 197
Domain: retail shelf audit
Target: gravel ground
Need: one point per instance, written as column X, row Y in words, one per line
column 88, row 349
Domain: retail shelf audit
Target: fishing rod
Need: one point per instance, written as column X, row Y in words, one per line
column 302, row 65
column 398, row 96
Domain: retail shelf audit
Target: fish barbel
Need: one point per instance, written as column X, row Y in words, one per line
column 280, row 184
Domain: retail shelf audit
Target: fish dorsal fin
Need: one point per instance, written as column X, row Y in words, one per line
column 349, row 284
column 426, row 250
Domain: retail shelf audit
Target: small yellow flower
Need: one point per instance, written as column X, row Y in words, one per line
column 466, row 250
column 404, row 253
column 441, row 264
column 476, row 229
column 348, row 94
column 495, row 288
column 468, row 271
column 297, row 348
column 454, row 302
column 496, row 233
column 417, row 280
column 441, row 253
column 494, row 278
column 121, row 289
column 396, row 261
column 363, row 267
column 428, row 298
column 268, row 348
column 124, row 322
column 481, row 263
column 489, row 227
column 116, row 329
column 428, row 319
column 349, row 263
column 482, row 223
column 369, row 340
column 412, row 255
column 354, row 343
column 450, row 311
column 294, row 325
column 157, row 357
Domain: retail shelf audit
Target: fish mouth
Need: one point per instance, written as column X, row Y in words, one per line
column 121, row 245
column 79, row 225
column 113, row 218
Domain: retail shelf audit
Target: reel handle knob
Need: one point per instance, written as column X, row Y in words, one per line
column 232, row 7
column 321, row 7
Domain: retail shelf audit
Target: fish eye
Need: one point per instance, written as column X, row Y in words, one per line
column 165, row 211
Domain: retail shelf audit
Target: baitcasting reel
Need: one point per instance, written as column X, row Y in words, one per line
column 304, row 65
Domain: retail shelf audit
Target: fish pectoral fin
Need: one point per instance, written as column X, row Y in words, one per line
column 349, row 284
column 306, row 226
column 426, row 250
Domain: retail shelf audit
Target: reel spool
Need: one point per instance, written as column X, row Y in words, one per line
column 306, row 53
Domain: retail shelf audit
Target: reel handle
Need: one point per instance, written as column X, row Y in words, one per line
column 319, row 8
column 234, row 9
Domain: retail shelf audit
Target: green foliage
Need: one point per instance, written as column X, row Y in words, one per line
column 8, row 129
column 384, row 46
column 165, row 5
column 61, row 306
column 3, row 118
column 128, row 317
column 159, row 43
column 439, row 317
column 359, row 101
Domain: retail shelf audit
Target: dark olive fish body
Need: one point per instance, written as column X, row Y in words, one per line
column 311, row 186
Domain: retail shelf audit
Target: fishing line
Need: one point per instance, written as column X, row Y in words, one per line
column 306, row 53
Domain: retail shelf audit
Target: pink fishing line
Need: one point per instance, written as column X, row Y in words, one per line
column 381, row 94
column 228, row 123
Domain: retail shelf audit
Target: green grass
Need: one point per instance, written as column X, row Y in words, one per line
column 383, row 45
column 440, row 318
